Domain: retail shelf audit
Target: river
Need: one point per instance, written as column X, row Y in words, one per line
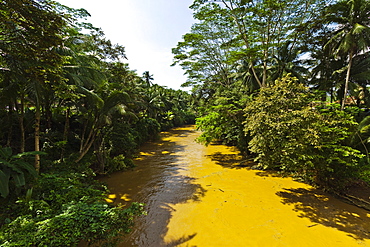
column 202, row 196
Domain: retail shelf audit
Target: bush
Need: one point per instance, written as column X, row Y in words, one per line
column 123, row 139
column 148, row 129
column 93, row 222
column 294, row 136
column 61, row 188
column 63, row 210
column 223, row 122
column 118, row 163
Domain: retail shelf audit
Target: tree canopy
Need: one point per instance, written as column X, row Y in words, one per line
column 239, row 52
column 70, row 101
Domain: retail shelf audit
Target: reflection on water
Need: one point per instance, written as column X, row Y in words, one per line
column 204, row 196
column 158, row 181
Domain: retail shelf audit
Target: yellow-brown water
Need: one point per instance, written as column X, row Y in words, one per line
column 202, row 196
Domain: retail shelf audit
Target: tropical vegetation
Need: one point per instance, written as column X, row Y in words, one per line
column 70, row 108
column 287, row 82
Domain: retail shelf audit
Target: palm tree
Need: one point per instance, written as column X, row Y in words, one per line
column 326, row 74
column 247, row 77
column 352, row 33
column 97, row 113
column 287, row 61
column 361, row 139
column 148, row 78
column 361, row 75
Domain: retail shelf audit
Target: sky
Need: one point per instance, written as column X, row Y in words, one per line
column 148, row 29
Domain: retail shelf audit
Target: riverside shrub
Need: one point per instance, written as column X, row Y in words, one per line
column 293, row 135
column 63, row 210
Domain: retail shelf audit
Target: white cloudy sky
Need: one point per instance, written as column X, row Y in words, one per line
column 148, row 29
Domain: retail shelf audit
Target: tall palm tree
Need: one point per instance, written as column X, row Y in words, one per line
column 325, row 74
column 148, row 78
column 352, row 33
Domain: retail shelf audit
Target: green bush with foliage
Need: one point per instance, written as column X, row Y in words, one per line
column 292, row 134
column 123, row 139
column 118, row 163
column 222, row 121
column 148, row 128
column 217, row 125
column 63, row 210
column 61, row 188
column 96, row 223
column 13, row 169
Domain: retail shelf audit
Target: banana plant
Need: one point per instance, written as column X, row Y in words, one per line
column 14, row 167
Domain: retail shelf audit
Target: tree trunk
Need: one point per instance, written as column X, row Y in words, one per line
column 87, row 143
column 347, row 79
column 65, row 133
column 37, row 137
column 264, row 75
column 100, row 153
column 21, row 124
column 10, row 130
column 331, row 94
column 85, row 149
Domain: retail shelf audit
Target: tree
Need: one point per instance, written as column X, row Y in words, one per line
column 360, row 74
column 205, row 53
column 352, row 33
column 287, row 61
column 148, row 78
column 97, row 112
column 263, row 26
column 30, row 33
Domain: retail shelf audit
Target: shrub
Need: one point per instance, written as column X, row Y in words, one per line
column 223, row 122
column 93, row 222
column 118, row 163
column 294, row 136
column 148, row 129
column 63, row 210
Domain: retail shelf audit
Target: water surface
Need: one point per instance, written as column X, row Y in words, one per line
column 202, row 196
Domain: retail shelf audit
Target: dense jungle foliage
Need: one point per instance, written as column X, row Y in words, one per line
column 287, row 82
column 70, row 108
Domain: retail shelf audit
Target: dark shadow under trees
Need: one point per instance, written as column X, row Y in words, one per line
column 320, row 208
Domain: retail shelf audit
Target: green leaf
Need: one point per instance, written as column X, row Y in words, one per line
column 19, row 179
column 5, row 153
column 31, row 169
column 4, row 182
column 28, row 154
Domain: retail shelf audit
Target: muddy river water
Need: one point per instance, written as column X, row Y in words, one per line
column 202, row 196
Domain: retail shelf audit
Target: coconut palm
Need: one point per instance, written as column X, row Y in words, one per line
column 148, row 78
column 286, row 61
column 246, row 77
column 351, row 35
column 361, row 76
